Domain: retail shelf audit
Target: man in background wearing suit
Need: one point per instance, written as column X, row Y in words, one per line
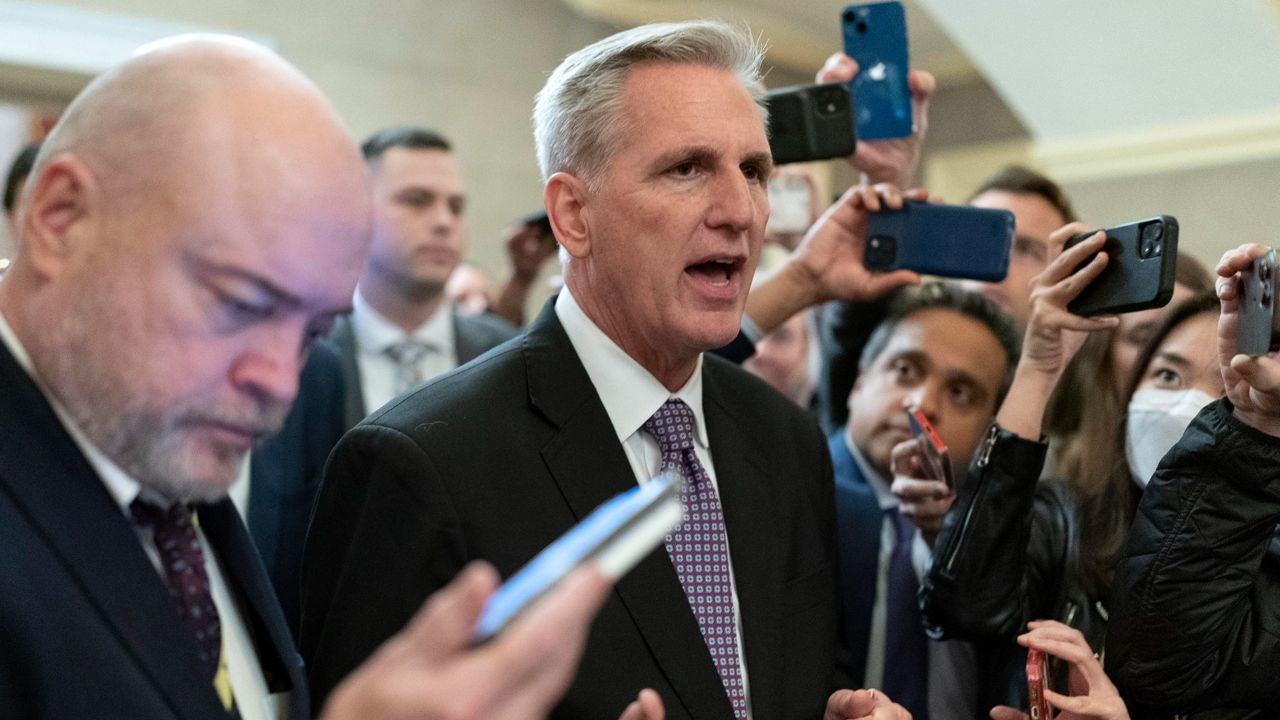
column 170, row 275
column 951, row 353
column 656, row 161
column 402, row 331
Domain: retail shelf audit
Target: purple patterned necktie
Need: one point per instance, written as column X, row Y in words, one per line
column 184, row 573
column 699, row 547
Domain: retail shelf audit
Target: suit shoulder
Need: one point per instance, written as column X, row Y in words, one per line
column 492, row 383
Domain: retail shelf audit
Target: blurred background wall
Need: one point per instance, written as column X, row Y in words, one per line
column 1139, row 108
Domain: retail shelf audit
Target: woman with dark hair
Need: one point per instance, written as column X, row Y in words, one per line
column 1013, row 549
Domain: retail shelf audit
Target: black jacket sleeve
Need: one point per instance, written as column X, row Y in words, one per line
column 1196, row 605
column 1000, row 558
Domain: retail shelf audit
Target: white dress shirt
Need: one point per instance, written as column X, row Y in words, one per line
column 253, row 699
column 374, row 333
column 631, row 395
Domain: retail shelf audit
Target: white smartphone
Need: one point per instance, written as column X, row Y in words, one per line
column 615, row 536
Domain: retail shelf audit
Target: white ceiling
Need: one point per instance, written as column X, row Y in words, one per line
column 1067, row 68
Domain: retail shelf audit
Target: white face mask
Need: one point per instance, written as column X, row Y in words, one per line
column 1157, row 419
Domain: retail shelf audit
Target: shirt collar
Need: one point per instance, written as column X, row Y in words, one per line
column 375, row 333
column 886, row 499
column 123, row 489
column 629, row 393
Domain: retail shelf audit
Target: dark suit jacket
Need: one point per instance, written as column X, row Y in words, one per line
column 858, row 523
column 474, row 335
column 497, row 459
column 284, row 474
column 87, row 627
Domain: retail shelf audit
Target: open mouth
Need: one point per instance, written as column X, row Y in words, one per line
column 717, row 276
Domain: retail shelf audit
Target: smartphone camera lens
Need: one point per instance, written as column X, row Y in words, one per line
column 861, row 27
column 1152, row 240
column 882, row 252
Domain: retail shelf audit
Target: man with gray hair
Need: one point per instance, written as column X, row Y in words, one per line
column 197, row 217
column 656, row 160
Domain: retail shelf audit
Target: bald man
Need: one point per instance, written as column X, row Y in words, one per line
column 197, row 217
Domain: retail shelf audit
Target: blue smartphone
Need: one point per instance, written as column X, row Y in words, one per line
column 615, row 536
column 955, row 241
column 875, row 35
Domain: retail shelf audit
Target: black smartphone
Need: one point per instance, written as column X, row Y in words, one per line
column 1256, row 322
column 948, row 240
column 810, row 122
column 537, row 219
column 1143, row 258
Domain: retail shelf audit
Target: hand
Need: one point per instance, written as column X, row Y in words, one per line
column 1054, row 334
column 430, row 670
column 925, row 500
column 892, row 160
column 1093, row 697
column 1253, row 384
column 863, row 705
column 828, row 263
column 528, row 248
column 647, row 706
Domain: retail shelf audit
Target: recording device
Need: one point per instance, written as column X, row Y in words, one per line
column 1257, row 321
column 810, row 122
column 875, row 35
column 615, row 536
column 949, row 240
column 1140, row 271
column 537, row 219
column 936, row 458
column 1037, row 681
column 790, row 204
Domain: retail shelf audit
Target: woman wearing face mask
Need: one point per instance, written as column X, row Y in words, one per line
column 1013, row 549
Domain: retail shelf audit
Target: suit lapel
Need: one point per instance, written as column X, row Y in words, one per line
column 743, row 478
column 858, row 523
column 52, row 483
column 589, row 465
column 343, row 337
column 280, row 662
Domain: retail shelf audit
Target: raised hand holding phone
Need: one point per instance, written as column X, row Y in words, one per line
column 922, row 476
column 1252, row 383
column 1092, row 695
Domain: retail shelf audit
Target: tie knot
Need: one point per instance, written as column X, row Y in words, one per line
column 672, row 426
column 408, row 351
column 150, row 515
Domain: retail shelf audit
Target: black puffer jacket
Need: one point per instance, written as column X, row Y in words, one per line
column 1196, row 602
column 1008, row 554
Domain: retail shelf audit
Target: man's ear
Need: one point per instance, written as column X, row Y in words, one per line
column 565, row 197
column 61, row 199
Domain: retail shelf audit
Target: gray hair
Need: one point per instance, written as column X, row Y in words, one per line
column 575, row 115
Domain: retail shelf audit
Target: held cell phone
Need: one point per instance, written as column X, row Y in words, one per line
column 949, row 240
column 615, row 536
column 810, row 122
column 875, row 35
column 1140, row 270
column 537, row 219
column 1256, row 323
column 1037, row 681
column 937, row 459
column 790, row 204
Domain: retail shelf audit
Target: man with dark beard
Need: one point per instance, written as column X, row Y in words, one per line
column 197, row 217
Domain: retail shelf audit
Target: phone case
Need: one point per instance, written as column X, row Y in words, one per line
column 875, row 35
column 1140, row 272
column 810, row 122
column 937, row 456
column 1255, row 325
column 1037, row 681
column 948, row 240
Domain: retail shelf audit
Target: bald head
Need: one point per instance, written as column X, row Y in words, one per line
column 195, row 218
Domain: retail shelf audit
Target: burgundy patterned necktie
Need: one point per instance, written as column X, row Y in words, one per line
column 184, row 573
column 699, row 547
